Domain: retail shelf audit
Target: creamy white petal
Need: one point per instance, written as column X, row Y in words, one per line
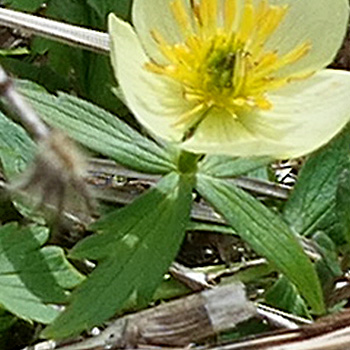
column 155, row 101
column 157, row 14
column 305, row 116
column 148, row 15
column 323, row 23
column 220, row 133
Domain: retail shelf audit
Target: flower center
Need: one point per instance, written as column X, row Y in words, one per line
column 222, row 61
column 220, row 69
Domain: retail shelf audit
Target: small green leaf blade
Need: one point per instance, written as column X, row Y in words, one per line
column 266, row 233
column 328, row 265
column 99, row 130
column 311, row 206
column 283, row 295
column 135, row 258
column 65, row 275
column 29, row 279
column 226, row 166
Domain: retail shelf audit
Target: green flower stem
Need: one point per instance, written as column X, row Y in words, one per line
column 187, row 162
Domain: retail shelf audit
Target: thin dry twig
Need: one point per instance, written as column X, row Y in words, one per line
column 111, row 169
column 66, row 33
column 175, row 323
column 280, row 318
column 34, row 125
column 328, row 333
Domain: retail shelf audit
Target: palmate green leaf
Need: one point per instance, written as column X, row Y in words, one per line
column 311, row 206
column 266, row 233
column 99, row 130
column 135, row 247
column 16, row 147
column 32, row 278
column 226, row 166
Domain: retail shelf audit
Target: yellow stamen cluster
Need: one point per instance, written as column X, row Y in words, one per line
column 222, row 61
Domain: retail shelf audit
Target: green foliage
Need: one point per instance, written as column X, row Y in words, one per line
column 122, row 8
column 225, row 166
column 6, row 320
column 266, row 233
column 104, row 133
column 14, row 333
column 283, row 295
column 133, row 251
column 32, row 278
column 128, row 242
column 43, row 75
column 14, row 52
column 99, row 130
column 134, row 246
column 24, row 5
column 328, row 266
column 16, row 148
column 70, row 68
column 343, row 203
column 311, row 207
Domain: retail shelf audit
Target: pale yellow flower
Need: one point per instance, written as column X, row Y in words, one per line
column 237, row 77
